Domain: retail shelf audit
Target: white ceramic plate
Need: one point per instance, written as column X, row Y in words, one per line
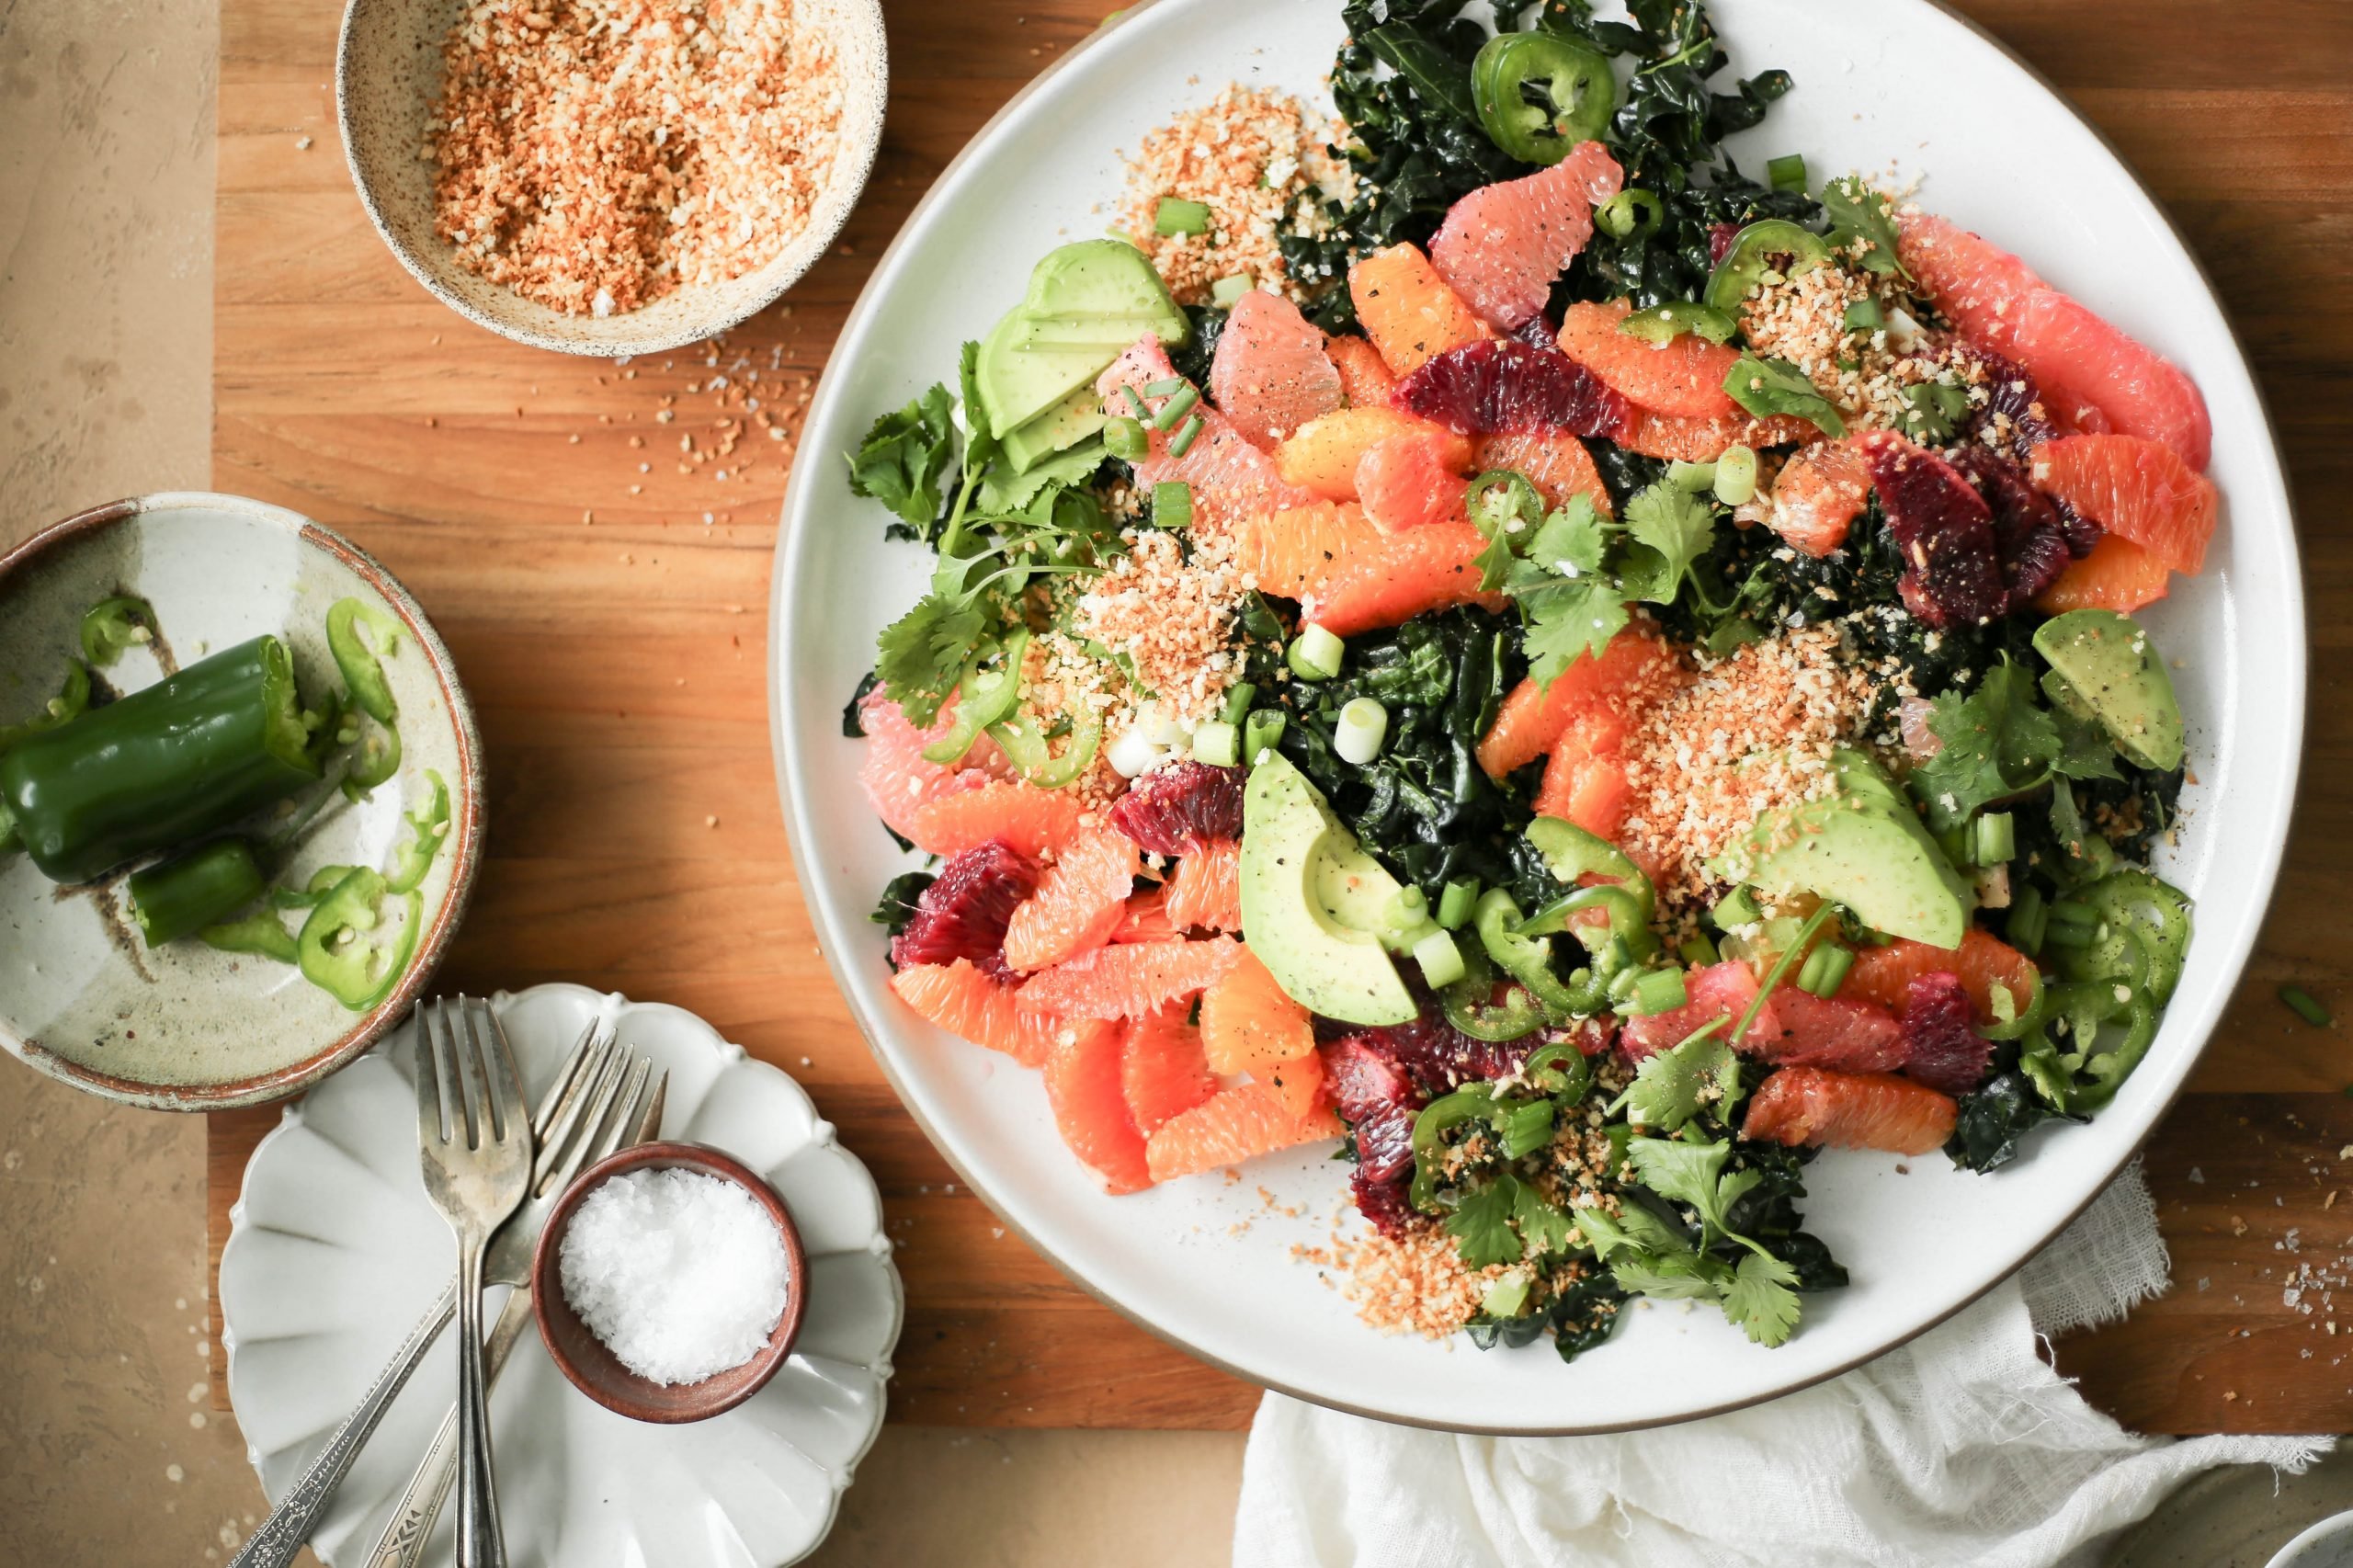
column 335, row 1252
column 1876, row 84
column 182, row 1027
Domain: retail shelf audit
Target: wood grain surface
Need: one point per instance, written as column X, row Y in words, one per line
column 614, row 641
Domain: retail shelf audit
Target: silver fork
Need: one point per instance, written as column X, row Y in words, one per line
column 401, row 1542
column 475, row 1148
column 289, row 1524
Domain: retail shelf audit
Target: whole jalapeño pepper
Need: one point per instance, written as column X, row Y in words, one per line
column 181, row 760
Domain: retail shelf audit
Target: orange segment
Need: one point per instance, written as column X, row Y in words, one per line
column 1591, row 791
column 1819, row 495
column 1033, row 821
column 1079, row 902
column 1684, row 376
column 1207, row 888
column 1365, row 379
column 1849, row 1110
column 1408, row 310
column 1982, row 961
column 1231, row 1126
column 2136, row 488
column 1656, row 435
column 2118, row 575
column 1133, row 977
column 1421, row 568
column 1298, row 1082
column 962, row 1000
column 1084, row 1087
column 1288, row 551
column 1162, row 1069
column 1146, row 920
column 1406, row 482
column 1556, row 462
column 1248, row 1022
column 1323, row 454
column 1533, row 717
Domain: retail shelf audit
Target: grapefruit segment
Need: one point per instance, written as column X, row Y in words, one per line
column 2118, row 575
column 1982, row 961
column 1718, row 991
column 1031, row 820
column 1402, row 577
column 1233, row 1125
column 1683, row 377
column 1980, row 287
column 1502, row 246
column 899, row 780
column 1703, row 440
column 1131, row 978
column 1848, row 1110
column 962, row 1000
column 1405, row 483
column 1086, row 1088
column 1162, row 1068
column 1846, row 1032
column 1408, row 310
column 1230, row 477
column 1079, row 903
column 1270, row 374
column 1207, row 888
column 1556, row 462
column 2082, row 358
column 1322, row 456
column 2139, row 489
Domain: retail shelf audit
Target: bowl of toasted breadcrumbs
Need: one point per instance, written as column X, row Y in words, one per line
column 610, row 177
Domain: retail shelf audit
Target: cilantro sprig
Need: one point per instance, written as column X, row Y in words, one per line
column 1998, row 741
column 1862, row 225
column 1648, row 1256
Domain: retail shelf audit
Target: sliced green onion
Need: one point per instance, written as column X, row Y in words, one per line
column 1455, row 904
column 1174, row 217
column 1506, row 1296
column 1316, row 653
column 1698, row 951
column 1167, row 386
column 1736, row 475
column 1735, row 910
column 1824, row 970
column 1238, row 698
column 1261, row 733
column 1226, row 292
column 1180, row 403
column 1621, row 987
column 1182, row 442
column 1660, row 991
column 2307, row 1007
column 1786, row 173
column 2026, row 924
column 1172, row 504
column 1214, row 744
column 1135, row 403
column 1363, row 724
column 1629, row 211
column 1440, row 959
column 1124, row 438
column 1995, row 838
column 1864, row 315
column 1691, row 477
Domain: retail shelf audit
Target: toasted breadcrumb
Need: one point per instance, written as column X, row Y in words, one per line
column 596, row 154
column 1247, row 156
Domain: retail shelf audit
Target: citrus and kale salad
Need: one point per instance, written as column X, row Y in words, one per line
column 1490, row 632
column 206, row 784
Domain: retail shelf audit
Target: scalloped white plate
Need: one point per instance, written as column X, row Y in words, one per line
column 1877, row 84
column 335, row 1252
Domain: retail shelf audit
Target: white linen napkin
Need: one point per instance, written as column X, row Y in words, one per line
column 1960, row 1448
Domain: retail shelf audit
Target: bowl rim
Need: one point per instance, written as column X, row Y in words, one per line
column 784, row 745
column 549, row 1302
column 860, row 146
column 279, row 1083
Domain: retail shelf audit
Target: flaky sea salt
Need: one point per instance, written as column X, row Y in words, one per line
column 681, row 1275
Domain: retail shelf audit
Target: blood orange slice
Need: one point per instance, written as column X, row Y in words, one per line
column 1270, row 374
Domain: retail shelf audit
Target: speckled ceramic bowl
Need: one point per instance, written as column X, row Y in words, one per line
column 388, row 73
column 182, row 1027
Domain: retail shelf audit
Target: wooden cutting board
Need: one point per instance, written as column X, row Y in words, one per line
column 604, row 592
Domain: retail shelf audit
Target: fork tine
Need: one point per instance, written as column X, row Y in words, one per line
column 428, row 1079
column 649, row 1118
column 594, row 1143
column 543, row 1114
column 581, row 1117
column 506, row 1080
column 557, row 1132
column 464, row 1069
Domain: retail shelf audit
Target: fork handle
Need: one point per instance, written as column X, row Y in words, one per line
column 480, row 1542
column 289, row 1524
column 401, row 1543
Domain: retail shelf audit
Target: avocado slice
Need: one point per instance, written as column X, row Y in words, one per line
column 1086, row 304
column 1059, row 428
column 2103, row 667
column 1863, row 846
column 1310, row 897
